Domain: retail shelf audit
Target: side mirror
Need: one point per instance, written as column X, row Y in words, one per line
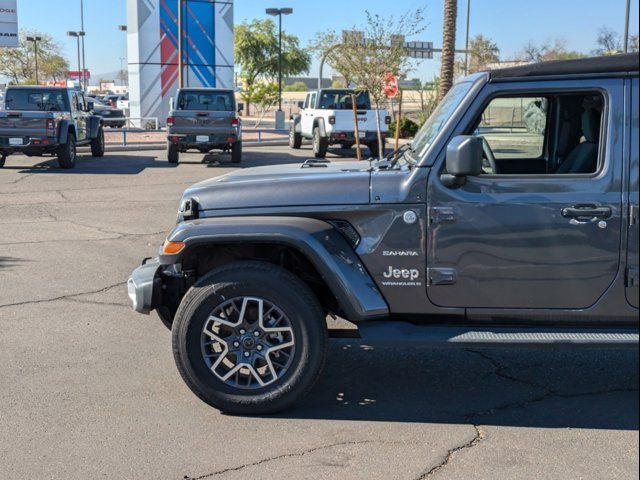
column 464, row 159
column 301, row 104
column 240, row 108
column 90, row 106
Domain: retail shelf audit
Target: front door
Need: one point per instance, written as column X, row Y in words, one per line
column 80, row 114
column 541, row 228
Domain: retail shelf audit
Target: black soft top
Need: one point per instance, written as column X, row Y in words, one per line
column 625, row 63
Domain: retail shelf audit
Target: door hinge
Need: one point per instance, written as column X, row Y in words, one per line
column 440, row 215
column 633, row 277
column 441, row 276
column 633, row 214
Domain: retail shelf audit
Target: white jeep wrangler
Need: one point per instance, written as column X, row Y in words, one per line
column 326, row 118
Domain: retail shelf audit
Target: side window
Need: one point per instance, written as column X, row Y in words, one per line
column 82, row 103
column 312, row 101
column 306, row 101
column 535, row 134
column 515, row 127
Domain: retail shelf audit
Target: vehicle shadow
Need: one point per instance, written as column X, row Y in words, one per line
column 595, row 389
column 114, row 164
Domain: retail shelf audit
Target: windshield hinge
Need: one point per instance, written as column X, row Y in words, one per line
column 441, row 214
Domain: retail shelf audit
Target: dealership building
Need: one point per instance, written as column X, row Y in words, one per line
column 152, row 43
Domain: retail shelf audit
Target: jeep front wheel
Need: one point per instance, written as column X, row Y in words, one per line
column 249, row 338
column 97, row 144
column 67, row 152
column 295, row 138
column 320, row 144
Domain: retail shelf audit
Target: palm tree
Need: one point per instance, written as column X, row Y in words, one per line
column 448, row 46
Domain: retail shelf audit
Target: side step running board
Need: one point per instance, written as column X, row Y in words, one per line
column 390, row 333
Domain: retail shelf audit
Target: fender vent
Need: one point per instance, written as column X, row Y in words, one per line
column 347, row 231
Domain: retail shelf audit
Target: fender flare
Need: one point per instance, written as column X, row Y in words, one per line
column 64, row 127
column 94, row 125
column 326, row 249
column 319, row 122
column 297, row 125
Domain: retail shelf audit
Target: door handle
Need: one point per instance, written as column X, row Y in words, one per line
column 586, row 212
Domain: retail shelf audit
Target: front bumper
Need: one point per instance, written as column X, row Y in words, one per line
column 144, row 286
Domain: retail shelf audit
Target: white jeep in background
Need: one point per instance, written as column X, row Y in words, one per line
column 326, row 118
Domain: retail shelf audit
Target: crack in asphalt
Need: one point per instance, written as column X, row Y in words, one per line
column 500, row 371
column 477, row 438
column 279, row 457
column 63, row 297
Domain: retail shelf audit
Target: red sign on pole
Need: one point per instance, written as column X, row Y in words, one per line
column 76, row 74
column 390, row 85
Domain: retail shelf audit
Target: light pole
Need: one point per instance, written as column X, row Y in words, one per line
column 466, row 42
column 122, row 28
column 82, row 33
column 626, row 27
column 180, row 59
column 35, row 39
column 279, row 12
column 77, row 37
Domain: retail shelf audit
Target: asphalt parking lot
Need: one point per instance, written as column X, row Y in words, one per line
column 89, row 389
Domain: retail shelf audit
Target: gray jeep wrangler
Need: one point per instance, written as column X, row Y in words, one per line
column 483, row 231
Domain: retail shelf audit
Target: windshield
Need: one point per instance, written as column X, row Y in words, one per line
column 439, row 117
column 341, row 100
column 217, row 101
column 24, row 99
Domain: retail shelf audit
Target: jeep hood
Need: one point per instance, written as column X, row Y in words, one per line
column 338, row 183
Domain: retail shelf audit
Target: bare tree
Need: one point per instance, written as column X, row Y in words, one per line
column 366, row 60
column 448, row 46
column 633, row 43
column 547, row 51
column 609, row 42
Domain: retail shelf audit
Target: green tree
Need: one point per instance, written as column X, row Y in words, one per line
column 53, row 67
column 482, row 52
column 367, row 59
column 256, row 52
column 18, row 64
column 447, row 63
column 296, row 87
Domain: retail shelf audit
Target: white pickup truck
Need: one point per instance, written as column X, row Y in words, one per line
column 326, row 118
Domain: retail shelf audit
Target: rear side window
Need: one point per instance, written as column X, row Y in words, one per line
column 36, row 100
column 216, row 101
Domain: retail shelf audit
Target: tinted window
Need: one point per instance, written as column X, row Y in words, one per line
column 217, row 101
column 341, row 100
column 36, row 99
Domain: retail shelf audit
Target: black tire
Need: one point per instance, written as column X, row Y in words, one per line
column 97, row 144
column 282, row 289
column 173, row 155
column 236, row 152
column 67, row 152
column 295, row 138
column 3, row 158
column 373, row 148
column 320, row 144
